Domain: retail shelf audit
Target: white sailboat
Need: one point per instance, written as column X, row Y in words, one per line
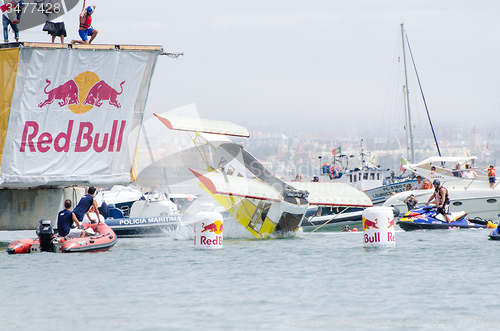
column 470, row 193
column 370, row 179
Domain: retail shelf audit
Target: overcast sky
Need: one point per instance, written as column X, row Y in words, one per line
column 261, row 61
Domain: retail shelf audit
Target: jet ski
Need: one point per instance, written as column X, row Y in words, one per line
column 495, row 235
column 427, row 218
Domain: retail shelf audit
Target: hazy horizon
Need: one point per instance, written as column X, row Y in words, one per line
column 338, row 62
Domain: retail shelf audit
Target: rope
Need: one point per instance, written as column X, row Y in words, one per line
column 319, row 227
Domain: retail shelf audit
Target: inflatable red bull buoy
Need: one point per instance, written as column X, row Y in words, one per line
column 208, row 230
column 378, row 227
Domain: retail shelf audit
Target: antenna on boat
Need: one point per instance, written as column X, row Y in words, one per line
column 362, row 154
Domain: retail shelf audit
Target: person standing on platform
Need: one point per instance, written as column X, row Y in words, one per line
column 55, row 21
column 6, row 22
column 86, row 30
column 84, row 205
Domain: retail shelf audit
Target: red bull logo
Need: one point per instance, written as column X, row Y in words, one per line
column 414, row 217
column 82, row 93
column 372, row 239
column 210, row 240
column 376, row 237
column 86, row 139
column 215, row 227
column 378, row 227
column 102, row 91
column 390, row 237
column 391, row 223
column 67, row 94
column 367, row 224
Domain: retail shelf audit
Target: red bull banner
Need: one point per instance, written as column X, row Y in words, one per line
column 378, row 227
column 208, row 230
column 71, row 116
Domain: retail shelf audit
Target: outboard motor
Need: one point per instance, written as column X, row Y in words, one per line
column 45, row 234
column 395, row 211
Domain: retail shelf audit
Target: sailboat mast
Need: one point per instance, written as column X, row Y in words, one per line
column 409, row 134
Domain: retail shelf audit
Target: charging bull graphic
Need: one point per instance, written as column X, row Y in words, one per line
column 82, row 93
column 215, row 227
column 103, row 91
column 67, row 94
column 367, row 224
column 391, row 223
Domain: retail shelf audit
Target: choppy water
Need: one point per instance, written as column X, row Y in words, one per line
column 323, row 281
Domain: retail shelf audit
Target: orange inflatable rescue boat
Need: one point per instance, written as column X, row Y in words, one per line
column 46, row 241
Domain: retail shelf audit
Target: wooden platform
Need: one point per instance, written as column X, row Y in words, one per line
column 147, row 48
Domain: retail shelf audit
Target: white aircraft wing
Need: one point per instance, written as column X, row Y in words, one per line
column 333, row 194
column 195, row 124
column 254, row 188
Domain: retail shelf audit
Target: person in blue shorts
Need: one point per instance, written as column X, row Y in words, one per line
column 86, row 30
column 65, row 220
column 85, row 204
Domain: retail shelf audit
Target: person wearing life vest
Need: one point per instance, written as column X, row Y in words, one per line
column 86, row 30
column 443, row 201
column 491, row 175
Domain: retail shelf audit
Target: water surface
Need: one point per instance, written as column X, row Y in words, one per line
column 323, row 281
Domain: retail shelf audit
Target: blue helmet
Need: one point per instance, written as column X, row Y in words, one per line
column 90, row 9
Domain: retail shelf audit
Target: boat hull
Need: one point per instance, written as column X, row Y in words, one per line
column 104, row 239
column 21, row 246
column 335, row 222
column 143, row 226
column 380, row 194
column 413, row 226
column 494, row 235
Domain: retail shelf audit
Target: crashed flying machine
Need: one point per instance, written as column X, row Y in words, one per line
column 262, row 203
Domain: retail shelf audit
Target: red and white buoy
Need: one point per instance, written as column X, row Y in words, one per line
column 208, row 230
column 378, row 227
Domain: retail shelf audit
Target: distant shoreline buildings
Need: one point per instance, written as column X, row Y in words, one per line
column 293, row 149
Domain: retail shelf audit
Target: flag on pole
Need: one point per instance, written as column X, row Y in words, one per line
column 336, row 151
column 403, row 162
